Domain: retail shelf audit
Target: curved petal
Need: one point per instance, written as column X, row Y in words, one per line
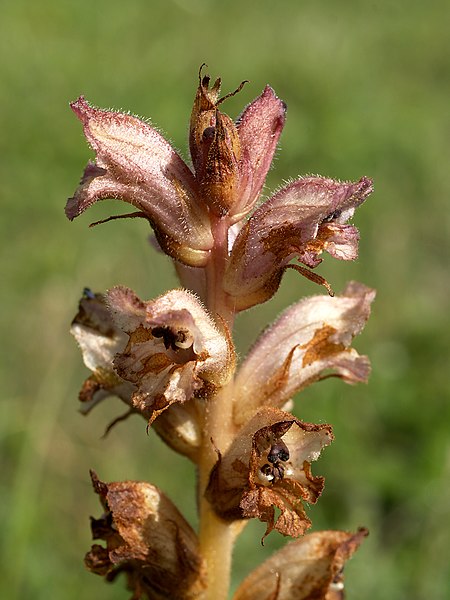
column 309, row 340
column 300, row 221
column 136, row 164
column 259, row 128
column 99, row 341
column 311, row 567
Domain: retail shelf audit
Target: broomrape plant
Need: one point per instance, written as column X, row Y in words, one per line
column 172, row 359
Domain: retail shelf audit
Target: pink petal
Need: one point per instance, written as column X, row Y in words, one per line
column 136, row 164
column 259, row 127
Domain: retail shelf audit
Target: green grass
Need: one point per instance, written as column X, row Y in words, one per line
column 367, row 85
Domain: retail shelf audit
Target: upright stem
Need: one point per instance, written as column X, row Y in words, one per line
column 216, row 535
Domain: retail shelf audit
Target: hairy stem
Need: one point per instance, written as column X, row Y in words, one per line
column 216, row 536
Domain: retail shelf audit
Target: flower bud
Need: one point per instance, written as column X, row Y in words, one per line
column 215, row 148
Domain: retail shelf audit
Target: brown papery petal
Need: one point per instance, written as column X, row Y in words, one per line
column 237, row 488
column 148, row 539
column 310, row 340
column 304, row 569
column 99, row 340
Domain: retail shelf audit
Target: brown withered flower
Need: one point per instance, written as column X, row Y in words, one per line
column 231, row 160
column 155, row 356
column 311, row 567
column 268, row 467
column 148, row 540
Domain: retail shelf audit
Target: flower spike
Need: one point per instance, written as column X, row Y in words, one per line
column 172, row 360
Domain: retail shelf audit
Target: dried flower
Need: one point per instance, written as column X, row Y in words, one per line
column 311, row 567
column 174, row 349
column 148, row 540
column 268, row 466
column 231, row 160
column 100, row 339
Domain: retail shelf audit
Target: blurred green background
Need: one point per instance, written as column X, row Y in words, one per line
column 368, row 86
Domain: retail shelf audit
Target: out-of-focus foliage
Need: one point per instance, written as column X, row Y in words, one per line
column 368, row 87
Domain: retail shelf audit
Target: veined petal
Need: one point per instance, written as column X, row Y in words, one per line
column 268, row 466
column 311, row 567
column 300, row 221
column 174, row 351
column 259, row 128
column 99, row 340
column 136, row 164
column 309, row 340
column 148, row 539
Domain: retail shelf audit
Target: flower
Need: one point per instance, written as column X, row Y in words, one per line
column 174, row 349
column 268, row 466
column 174, row 352
column 311, row 567
column 301, row 220
column 147, row 539
column 310, row 341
